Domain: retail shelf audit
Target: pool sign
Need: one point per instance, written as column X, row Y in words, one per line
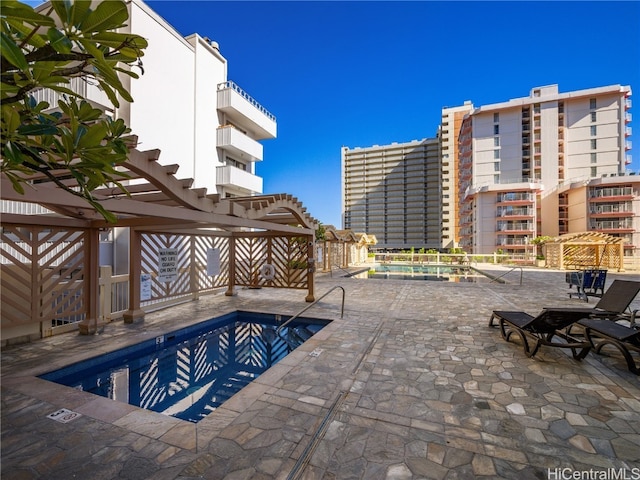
column 213, row 262
column 167, row 264
column 145, row 286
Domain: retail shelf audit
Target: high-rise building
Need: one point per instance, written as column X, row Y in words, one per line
column 393, row 192
column 450, row 130
column 544, row 165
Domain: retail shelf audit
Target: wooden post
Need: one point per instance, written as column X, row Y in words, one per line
column 327, row 256
column 135, row 265
column 311, row 267
column 193, row 269
column 232, row 266
column 106, row 292
column 91, row 282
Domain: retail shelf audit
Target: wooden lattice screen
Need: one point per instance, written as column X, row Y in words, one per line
column 192, row 264
column 42, row 281
column 287, row 254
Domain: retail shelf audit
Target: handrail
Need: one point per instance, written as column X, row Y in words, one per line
column 508, row 272
column 343, row 269
column 311, row 305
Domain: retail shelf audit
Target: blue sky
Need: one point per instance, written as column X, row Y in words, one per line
column 362, row 73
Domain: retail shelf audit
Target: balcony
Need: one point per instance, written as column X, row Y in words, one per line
column 613, row 226
column 229, row 176
column 515, row 227
column 627, row 131
column 609, row 194
column 612, row 210
column 246, row 112
column 238, row 144
column 86, row 88
column 627, row 145
column 627, row 117
column 514, row 212
column 519, row 197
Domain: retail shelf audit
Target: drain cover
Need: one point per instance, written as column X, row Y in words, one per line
column 64, row 416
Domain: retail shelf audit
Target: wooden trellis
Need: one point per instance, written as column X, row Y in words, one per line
column 50, row 263
column 577, row 251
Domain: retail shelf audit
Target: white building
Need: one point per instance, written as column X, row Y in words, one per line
column 185, row 105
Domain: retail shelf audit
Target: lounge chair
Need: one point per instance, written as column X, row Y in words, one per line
column 616, row 299
column 607, row 324
column 601, row 332
column 543, row 328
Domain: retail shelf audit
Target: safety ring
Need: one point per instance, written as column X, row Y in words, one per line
column 267, row 271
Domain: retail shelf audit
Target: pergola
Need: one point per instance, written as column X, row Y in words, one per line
column 50, row 262
column 585, row 250
column 343, row 247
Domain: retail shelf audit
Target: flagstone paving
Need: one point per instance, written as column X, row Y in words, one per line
column 411, row 384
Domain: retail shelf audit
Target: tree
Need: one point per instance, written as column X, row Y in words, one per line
column 74, row 140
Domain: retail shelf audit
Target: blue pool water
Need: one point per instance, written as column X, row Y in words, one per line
column 446, row 273
column 190, row 372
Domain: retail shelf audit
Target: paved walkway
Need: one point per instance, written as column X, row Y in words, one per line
column 410, row 384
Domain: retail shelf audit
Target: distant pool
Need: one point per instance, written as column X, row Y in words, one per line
column 441, row 273
column 190, row 372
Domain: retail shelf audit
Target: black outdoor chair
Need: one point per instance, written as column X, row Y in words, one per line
column 542, row 329
column 612, row 323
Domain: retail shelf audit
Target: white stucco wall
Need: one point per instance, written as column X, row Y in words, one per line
column 210, row 70
column 162, row 114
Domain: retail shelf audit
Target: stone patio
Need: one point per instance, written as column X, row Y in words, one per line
column 412, row 383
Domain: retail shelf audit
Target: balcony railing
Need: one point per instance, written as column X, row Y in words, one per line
column 611, row 192
column 244, row 110
column 515, row 197
column 84, row 87
column 514, row 212
column 618, row 208
column 515, row 227
column 612, row 224
column 512, row 241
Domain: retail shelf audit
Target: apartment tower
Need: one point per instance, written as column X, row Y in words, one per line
column 547, row 164
column 450, row 129
column 393, row 192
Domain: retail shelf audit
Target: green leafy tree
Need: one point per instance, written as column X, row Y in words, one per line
column 71, row 139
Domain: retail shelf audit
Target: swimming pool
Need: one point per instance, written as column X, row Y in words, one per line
column 190, row 372
column 444, row 273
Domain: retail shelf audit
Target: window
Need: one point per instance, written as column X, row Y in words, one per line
column 496, row 129
column 496, row 166
column 536, row 108
column 593, row 116
column 594, row 171
column 594, row 144
column 593, row 131
column 592, row 103
column 594, row 157
column 496, row 117
column 496, row 141
column 496, row 178
column 496, row 154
